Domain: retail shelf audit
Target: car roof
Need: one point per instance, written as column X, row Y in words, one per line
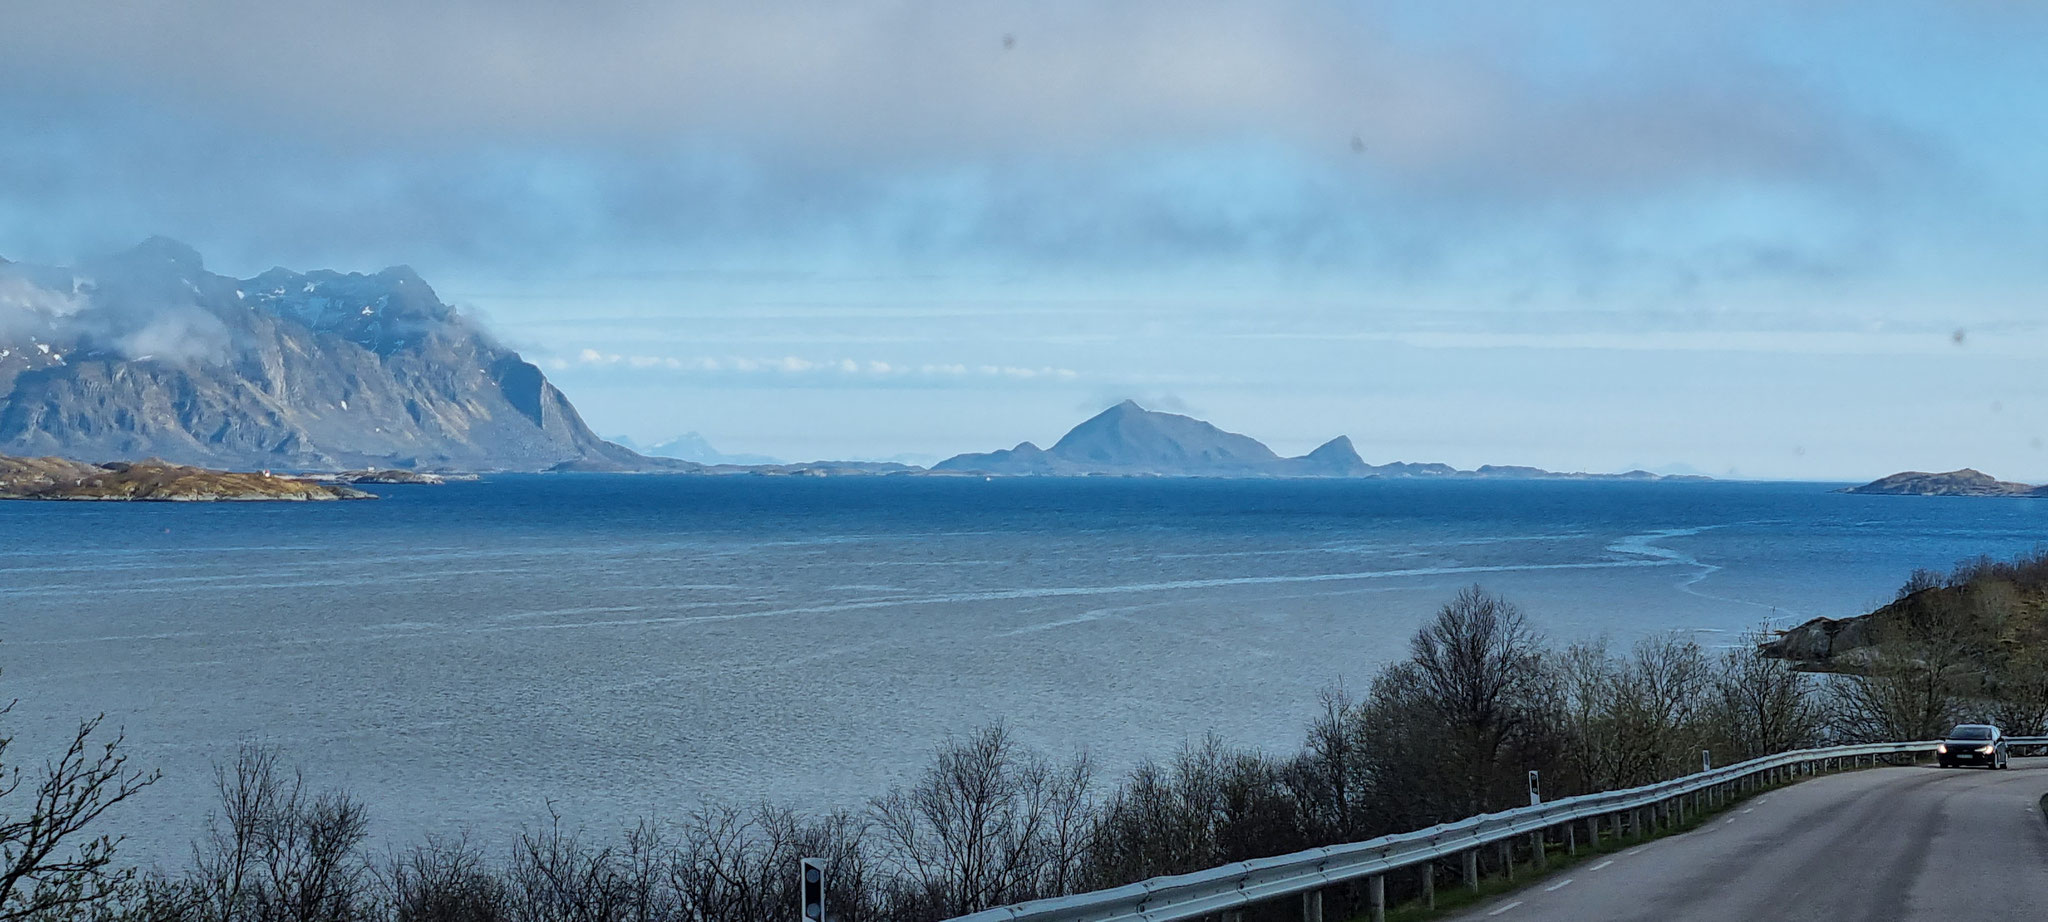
column 1974, row 727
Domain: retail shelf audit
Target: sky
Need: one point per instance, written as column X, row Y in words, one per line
column 1793, row 239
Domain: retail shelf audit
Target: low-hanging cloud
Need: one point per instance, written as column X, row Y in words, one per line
column 28, row 309
column 108, row 313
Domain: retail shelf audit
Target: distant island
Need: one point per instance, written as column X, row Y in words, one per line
column 1129, row 440
column 1965, row 482
column 154, row 480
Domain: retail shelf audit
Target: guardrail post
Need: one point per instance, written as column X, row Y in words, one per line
column 1507, row 859
column 1536, row 850
column 1471, row 857
column 1376, row 896
column 1312, row 906
column 1571, row 838
column 1429, row 885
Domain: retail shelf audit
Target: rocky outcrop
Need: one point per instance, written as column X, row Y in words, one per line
column 1825, row 644
column 145, row 353
column 154, row 480
column 393, row 476
column 1965, row 482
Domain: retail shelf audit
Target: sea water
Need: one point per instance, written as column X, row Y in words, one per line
column 465, row 658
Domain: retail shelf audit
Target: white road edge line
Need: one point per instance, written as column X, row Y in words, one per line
column 1558, row 886
column 1601, row 865
column 1729, row 820
column 1750, row 810
column 1505, row 908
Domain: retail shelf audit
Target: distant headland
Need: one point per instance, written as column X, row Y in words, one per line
column 1965, row 482
column 1129, row 440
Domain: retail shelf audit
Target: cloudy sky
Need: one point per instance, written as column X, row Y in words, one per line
column 1796, row 238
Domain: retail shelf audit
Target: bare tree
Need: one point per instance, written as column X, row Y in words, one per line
column 1328, row 777
column 989, row 823
column 1761, row 705
column 274, row 852
column 51, row 865
column 1476, row 671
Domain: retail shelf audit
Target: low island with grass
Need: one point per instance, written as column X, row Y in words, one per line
column 154, row 480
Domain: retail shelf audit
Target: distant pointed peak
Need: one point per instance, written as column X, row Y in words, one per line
column 400, row 274
column 1125, row 409
column 1336, row 456
column 160, row 250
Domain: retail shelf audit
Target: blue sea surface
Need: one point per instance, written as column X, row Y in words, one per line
column 463, row 657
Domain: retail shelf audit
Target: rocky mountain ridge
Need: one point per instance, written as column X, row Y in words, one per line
column 145, row 353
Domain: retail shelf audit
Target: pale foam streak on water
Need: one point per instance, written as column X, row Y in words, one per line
column 461, row 656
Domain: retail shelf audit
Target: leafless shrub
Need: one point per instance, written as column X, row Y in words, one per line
column 274, row 852
column 51, row 865
column 443, row 880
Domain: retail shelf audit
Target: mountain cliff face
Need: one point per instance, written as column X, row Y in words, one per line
column 145, row 353
column 1128, row 439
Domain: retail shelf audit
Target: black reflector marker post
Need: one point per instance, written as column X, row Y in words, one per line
column 814, row 889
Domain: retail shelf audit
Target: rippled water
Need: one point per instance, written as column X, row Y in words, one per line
column 461, row 656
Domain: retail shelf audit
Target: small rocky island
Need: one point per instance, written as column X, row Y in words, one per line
column 1965, row 482
column 397, row 476
column 153, row 480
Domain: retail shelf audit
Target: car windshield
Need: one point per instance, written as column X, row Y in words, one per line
column 1968, row 732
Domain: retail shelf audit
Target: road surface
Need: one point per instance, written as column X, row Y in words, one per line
column 1905, row 843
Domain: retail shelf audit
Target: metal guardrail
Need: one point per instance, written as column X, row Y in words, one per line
column 1233, row 887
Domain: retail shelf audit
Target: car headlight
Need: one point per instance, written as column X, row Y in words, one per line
column 1988, row 750
column 1941, row 748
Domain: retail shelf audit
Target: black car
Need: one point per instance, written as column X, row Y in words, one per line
column 1972, row 744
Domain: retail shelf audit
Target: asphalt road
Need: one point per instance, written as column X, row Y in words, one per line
column 1902, row 843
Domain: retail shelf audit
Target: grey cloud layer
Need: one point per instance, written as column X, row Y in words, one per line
column 1553, row 144
column 924, row 81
